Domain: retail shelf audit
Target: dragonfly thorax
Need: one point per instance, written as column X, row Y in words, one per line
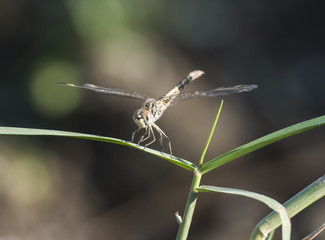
column 150, row 111
column 143, row 118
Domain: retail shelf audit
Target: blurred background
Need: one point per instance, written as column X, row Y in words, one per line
column 60, row 188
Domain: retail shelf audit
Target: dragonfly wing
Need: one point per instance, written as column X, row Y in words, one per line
column 213, row 93
column 109, row 91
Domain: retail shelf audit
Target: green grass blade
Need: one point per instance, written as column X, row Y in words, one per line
column 211, row 133
column 294, row 205
column 31, row 131
column 276, row 206
column 261, row 142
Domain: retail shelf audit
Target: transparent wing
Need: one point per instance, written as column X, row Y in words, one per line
column 109, row 91
column 211, row 93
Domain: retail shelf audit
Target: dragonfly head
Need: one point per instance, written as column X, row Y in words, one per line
column 142, row 118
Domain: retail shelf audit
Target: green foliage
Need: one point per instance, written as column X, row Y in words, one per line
column 266, row 227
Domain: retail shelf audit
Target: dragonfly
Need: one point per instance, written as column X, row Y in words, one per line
column 153, row 108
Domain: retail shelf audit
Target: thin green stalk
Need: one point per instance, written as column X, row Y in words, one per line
column 189, row 209
column 192, row 197
column 315, row 233
column 211, row 133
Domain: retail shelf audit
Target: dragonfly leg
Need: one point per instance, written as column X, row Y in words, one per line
column 161, row 140
column 153, row 136
column 143, row 138
column 133, row 134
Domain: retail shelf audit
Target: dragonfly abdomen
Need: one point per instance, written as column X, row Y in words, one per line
column 181, row 85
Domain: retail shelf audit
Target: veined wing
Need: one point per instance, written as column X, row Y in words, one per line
column 212, row 93
column 109, row 91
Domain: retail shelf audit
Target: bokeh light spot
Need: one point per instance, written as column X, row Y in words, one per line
column 30, row 177
column 50, row 98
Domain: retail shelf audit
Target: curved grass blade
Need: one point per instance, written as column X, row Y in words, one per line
column 276, row 206
column 45, row 132
column 294, row 205
column 261, row 142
